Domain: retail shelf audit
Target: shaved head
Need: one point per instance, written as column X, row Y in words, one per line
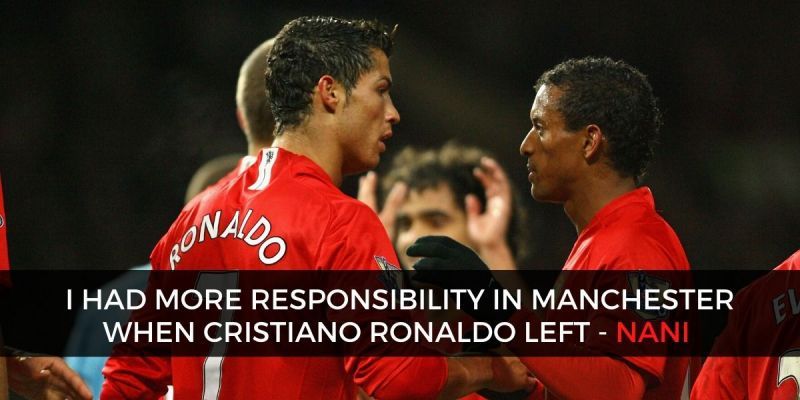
column 251, row 97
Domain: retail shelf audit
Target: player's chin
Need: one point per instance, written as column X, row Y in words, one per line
column 373, row 160
column 547, row 196
column 363, row 165
column 371, row 164
column 539, row 194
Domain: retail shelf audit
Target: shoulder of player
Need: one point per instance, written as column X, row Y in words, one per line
column 623, row 233
column 317, row 193
column 773, row 282
column 791, row 263
column 349, row 210
column 329, row 206
column 637, row 223
column 646, row 245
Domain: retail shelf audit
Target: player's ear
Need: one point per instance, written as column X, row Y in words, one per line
column 592, row 142
column 329, row 93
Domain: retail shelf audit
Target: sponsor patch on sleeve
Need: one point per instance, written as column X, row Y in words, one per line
column 643, row 281
column 391, row 275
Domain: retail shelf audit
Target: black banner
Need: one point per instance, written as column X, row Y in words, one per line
column 384, row 313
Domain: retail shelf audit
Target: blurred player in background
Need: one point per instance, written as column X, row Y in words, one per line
column 765, row 315
column 328, row 81
column 252, row 105
column 456, row 191
column 595, row 123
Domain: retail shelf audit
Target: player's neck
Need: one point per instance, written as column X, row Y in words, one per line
column 314, row 142
column 255, row 147
column 592, row 196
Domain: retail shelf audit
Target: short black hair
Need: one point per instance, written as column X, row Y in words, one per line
column 453, row 165
column 616, row 97
column 310, row 47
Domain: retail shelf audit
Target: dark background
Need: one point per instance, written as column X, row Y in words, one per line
column 108, row 108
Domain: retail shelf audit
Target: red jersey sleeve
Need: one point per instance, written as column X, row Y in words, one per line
column 356, row 240
column 353, row 239
column 719, row 379
column 640, row 252
column 138, row 377
column 128, row 376
column 653, row 251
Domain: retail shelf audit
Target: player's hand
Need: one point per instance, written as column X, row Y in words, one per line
column 449, row 264
column 45, row 378
column 511, row 376
column 367, row 194
column 444, row 253
column 488, row 229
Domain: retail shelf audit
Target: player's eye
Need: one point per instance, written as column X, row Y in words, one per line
column 402, row 223
column 438, row 221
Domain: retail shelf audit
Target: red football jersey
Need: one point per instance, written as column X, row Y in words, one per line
column 3, row 243
column 626, row 234
column 765, row 312
column 283, row 212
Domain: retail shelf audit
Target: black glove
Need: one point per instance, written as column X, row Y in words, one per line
column 451, row 265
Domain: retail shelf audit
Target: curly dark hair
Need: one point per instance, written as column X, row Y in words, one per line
column 310, row 47
column 453, row 164
column 616, row 97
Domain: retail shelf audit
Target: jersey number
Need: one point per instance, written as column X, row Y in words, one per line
column 789, row 368
column 212, row 365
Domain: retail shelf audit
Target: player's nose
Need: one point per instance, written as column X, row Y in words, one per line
column 392, row 115
column 526, row 147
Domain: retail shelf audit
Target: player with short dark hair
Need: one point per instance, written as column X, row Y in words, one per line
column 594, row 122
column 320, row 46
column 457, row 191
column 328, row 81
column 631, row 122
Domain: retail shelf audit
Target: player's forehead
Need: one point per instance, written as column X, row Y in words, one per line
column 430, row 199
column 545, row 102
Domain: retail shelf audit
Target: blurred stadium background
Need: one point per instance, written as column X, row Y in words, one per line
column 109, row 107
